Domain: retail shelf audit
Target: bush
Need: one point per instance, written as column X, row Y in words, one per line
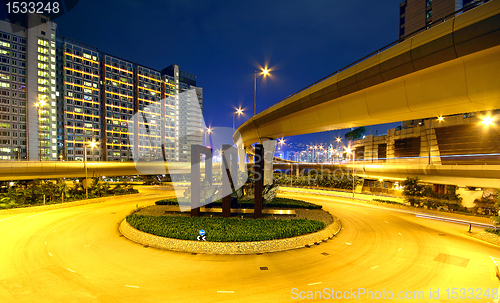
column 388, row 201
column 276, row 203
column 223, row 229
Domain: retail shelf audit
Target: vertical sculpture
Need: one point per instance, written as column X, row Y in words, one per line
column 229, row 165
column 259, row 180
column 196, row 152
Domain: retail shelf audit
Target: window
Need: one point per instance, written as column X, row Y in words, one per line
column 428, row 3
column 43, row 33
column 428, row 14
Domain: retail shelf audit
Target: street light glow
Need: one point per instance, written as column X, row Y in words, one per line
column 265, row 72
column 487, row 121
column 440, row 118
column 239, row 111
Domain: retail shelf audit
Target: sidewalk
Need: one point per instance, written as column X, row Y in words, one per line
column 367, row 198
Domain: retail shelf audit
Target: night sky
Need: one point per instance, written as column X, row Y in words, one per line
column 223, row 42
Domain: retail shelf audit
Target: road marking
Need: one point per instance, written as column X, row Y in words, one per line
column 399, row 249
column 70, row 270
column 45, row 212
column 386, row 222
column 54, row 230
column 314, row 283
column 10, row 217
column 374, row 267
column 131, row 286
column 50, row 254
column 72, row 220
column 225, row 291
column 347, row 243
column 45, row 243
column 400, row 234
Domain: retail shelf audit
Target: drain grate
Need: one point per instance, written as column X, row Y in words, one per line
column 258, row 254
column 194, row 254
column 146, row 246
column 264, row 268
column 325, row 254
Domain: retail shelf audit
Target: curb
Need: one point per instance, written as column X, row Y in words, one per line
column 232, row 248
column 29, row 209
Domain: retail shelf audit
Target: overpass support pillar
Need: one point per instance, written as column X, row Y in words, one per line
column 259, row 180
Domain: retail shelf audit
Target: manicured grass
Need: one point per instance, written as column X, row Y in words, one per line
column 223, row 229
column 275, row 203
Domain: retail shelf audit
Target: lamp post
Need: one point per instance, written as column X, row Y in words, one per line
column 264, row 72
column 348, row 150
column 92, row 144
column 40, row 104
column 238, row 111
column 208, row 130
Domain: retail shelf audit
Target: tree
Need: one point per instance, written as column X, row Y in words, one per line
column 412, row 190
column 355, row 134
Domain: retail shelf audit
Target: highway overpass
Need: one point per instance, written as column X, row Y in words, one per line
column 448, row 69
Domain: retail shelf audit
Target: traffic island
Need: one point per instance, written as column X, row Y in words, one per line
column 316, row 226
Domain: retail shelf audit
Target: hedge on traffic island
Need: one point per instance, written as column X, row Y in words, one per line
column 223, row 229
column 277, row 202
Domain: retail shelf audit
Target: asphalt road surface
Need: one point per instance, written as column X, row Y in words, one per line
column 78, row 255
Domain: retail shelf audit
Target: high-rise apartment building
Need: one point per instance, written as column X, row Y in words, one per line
column 417, row 14
column 57, row 94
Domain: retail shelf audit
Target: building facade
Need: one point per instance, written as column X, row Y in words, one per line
column 415, row 15
column 58, row 94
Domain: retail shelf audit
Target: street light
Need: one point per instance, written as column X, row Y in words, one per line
column 238, row 111
column 92, row 144
column 208, row 130
column 348, row 150
column 40, row 104
column 487, row 121
column 264, row 72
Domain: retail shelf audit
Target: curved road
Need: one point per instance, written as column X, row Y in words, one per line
column 77, row 255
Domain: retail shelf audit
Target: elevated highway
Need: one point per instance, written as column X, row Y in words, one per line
column 448, row 69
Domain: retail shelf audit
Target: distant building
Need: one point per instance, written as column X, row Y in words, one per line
column 417, row 14
column 75, row 93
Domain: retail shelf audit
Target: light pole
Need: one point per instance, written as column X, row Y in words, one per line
column 264, row 72
column 238, row 111
column 92, row 144
column 348, row 150
column 40, row 104
column 208, row 130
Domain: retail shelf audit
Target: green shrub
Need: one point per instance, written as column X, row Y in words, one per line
column 276, row 203
column 388, row 201
column 495, row 231
column 223, row 229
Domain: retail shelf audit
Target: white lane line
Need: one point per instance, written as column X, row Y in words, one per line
column 50, row 254
column 132, row 286
column 225, row 291
column 45, row 243
column 374, row 267
column 54, row 230
column 399, row 249
column 45, row 212
column 347, row 243
column 314, row 283
column 70, row 270
column 400, row 234
column 386, row 222
column 10, row 217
